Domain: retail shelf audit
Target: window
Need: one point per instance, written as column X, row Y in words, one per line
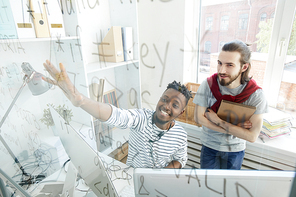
column 224, row 22
column 243, row 21
column 266, row 64
column 271, row 70
column 208, row 46
column 273, row 63
column 284, row 84
column 209, row 23
column 264, row 68
column 263, row 17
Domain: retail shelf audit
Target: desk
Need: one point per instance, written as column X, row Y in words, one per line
column 272, row 154
column 99, row 171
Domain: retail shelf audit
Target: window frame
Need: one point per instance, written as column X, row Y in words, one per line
column 224, row 22
column 243, row 21
column 282, row 26
column 209, row 23
column 208, row 45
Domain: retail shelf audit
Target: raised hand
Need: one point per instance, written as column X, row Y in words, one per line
column 61, row 79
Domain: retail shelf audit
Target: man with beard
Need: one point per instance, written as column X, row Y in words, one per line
column 223, row 143
column 155, row 140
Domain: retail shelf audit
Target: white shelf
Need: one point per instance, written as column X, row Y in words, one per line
column 99, row 66
column 22, row 40
column 80, row 72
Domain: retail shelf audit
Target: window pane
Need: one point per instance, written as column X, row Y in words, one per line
column 231, row 20
column 208, row 46
column 251, row 23
column 243, row 21
column 209, row 23
column 287, row 96
column 224, row 22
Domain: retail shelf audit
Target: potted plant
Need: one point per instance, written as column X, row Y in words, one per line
column 65, row 112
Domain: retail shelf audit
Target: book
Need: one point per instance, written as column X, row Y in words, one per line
column 275, row 127
column 275, row 116
column 276, row 123
column 276, row 133
column 235, row 113
column 40, row 18
column 111, row 49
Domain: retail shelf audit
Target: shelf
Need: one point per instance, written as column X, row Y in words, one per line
column 29, row 135
column 99, row 66
column 22, row 40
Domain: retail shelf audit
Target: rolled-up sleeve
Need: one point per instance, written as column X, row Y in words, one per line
column 181, row 155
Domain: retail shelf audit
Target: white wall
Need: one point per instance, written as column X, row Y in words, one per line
column 191, row 37
column 165, row 51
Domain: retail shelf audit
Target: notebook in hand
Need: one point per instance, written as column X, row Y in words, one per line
column 235, row 112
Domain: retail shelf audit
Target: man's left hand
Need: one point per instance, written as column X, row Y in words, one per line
column 212, row 116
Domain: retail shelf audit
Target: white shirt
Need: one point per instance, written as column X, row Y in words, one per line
column 150, row 146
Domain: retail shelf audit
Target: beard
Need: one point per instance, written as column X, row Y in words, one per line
column 159, row 121
column 231, row 79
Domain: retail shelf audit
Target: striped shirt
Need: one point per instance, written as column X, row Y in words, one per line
column 146, row 149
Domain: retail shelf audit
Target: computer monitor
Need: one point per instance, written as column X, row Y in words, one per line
column 211, row 183
column 87, row 162
column 65, row 188
column 8, row 187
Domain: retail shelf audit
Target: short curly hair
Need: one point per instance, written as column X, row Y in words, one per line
column 181, row 88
